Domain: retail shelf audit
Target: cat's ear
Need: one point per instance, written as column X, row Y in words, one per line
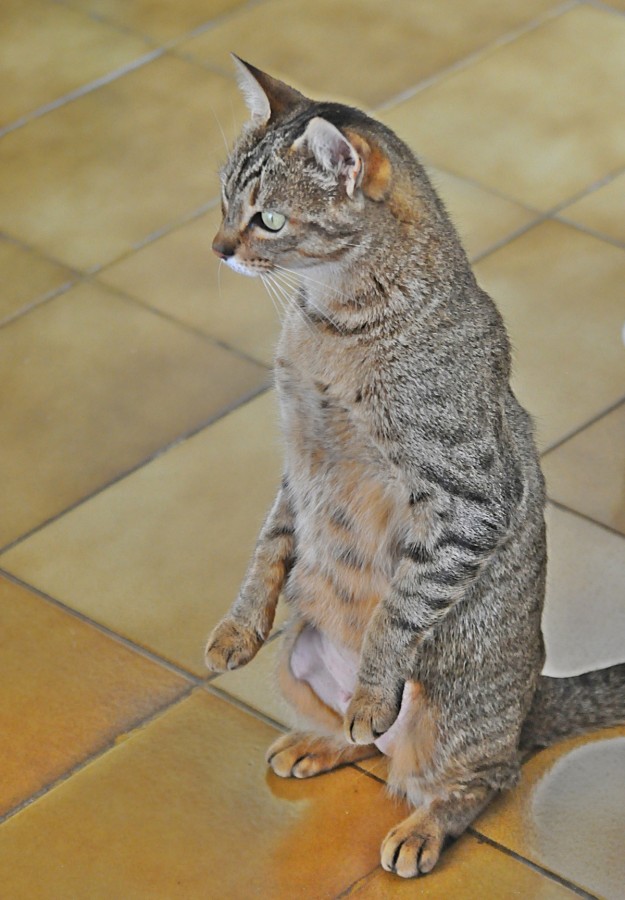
column 332, row 151
column 266, row 97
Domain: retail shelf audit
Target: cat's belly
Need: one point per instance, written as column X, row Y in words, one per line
column 351, row 511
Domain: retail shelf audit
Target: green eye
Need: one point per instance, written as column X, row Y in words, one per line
column 272, row 221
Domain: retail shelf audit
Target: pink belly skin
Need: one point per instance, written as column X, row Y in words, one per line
column 331, row 670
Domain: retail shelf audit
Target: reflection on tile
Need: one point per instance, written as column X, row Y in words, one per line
column 92, row 178
column 180, row 275
column 601, row 210
column 425, row 37
column 483, row 219
column 568, row 813
column 49, row 50
column 584, row 618
column 68, row 692
column 468, row 870
column 587, row 473
column 255, row 684
column 561, row 294
column 94, row 385
column 186, row 806
column 26, row 277
column 159, row 19
column 190, row 519
column 566, row 76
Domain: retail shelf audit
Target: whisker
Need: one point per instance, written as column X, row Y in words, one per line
column 272, row 297
column 291, row 302
column 223, row 134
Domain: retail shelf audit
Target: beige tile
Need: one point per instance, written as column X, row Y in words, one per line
column 586, row 563
column 468, row 870
column 601, row 210
column 180, row 275
column 190, row 519
column 538, row 119
column 482, row 218
column 568, row 813
column 587, row 473
column 186, row 808
column 255, row 684
column 49, row 50
column 561, row 294
column 26, row 277
column 67, row 692
column 92, row 178
column 93, row 385
column 159, row 19
column 344, row 47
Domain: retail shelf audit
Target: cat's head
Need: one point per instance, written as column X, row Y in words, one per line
column 302, row 181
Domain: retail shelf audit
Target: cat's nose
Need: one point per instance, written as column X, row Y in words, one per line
column 224, row 249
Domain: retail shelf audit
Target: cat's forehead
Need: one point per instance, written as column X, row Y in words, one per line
column 253, row 155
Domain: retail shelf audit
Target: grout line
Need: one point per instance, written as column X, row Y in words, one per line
column 128, row 643
column 578, row 429
column 547, row 873
column 589, row 189
column 606, row 7
column 211, row 688
column 503, row 242
column 358, row 883
column 40, row 301
column 580, row 515
column 98, row 754
column 180, row 439
column 620, row 245
column 466, row 61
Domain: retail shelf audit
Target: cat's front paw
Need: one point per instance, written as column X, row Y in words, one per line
column 230, row 645
column 369, row 715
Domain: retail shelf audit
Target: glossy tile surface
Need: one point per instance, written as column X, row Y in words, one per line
column 587, row 473
column 49, row 50
column 568, row 813
column 344, row 47
column 26, row 278
column 561, row 295
column 68, row 691
column 190, row 520
column 94, row 384
column 186, row 808
column 92, row 178
column 566, row 76
column 179, row 275
column 601, row 211
column 255, row 684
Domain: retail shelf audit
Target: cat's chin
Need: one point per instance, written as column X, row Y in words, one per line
column 242, row 269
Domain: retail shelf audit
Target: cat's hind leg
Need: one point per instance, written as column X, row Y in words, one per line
column 302, row 754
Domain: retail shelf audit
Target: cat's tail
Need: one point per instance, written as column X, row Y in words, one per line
column 566, row 706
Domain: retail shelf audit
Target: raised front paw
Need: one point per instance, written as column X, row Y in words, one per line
column 369, row 715
column 230, row 645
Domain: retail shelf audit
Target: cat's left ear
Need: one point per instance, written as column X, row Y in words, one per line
column 332, row 151
column 266, row 97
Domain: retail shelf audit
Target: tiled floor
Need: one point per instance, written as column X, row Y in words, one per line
column 139, row 443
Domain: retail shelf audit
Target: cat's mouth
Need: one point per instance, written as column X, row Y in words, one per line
column 245, row 268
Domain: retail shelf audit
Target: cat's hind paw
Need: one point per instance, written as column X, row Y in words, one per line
column 413, row 847
column 301, row 754
column 231, row 644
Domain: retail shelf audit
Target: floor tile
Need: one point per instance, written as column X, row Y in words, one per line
column 186, row 808
column 180, row 275
column 551, row 111
column 93, row 385
column 482, row 218
column 468, row 870
column 68, row 691
column 586, row 563
column 256, row 685
column 50, row 50
column 27, row 277
column 587, row 473
column 601, row 210
column 568, row 813
column 561, row 294
column 310, row 46
column 159, row 19
column 190, row 520
column 89, row 180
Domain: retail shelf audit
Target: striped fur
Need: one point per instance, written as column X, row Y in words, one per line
column 409, row 527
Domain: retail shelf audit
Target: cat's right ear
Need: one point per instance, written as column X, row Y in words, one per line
column 266, row 98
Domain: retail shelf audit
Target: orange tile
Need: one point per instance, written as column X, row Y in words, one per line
column 568, row 813
column 93, row 385
column 50, row 50
column 89, row 180
column 186, row 807
column 179, row 275
column 190, row 520
column 68, row 692
column 587, row 473
column 27, row 277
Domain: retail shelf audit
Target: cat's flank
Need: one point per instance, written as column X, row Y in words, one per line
column 408, row 533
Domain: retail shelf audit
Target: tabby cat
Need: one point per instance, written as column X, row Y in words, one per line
column 408, row 533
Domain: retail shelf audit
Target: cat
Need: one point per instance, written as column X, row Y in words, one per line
column 408, row 533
